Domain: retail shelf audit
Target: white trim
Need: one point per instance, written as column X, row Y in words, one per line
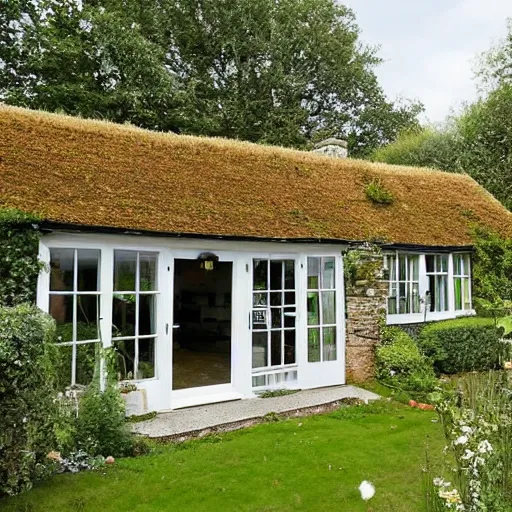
column 159, row 389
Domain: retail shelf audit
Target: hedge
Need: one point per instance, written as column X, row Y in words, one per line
column 461, row 345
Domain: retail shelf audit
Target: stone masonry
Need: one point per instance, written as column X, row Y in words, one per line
column 366, row 306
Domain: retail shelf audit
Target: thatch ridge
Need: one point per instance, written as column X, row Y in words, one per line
column 90, row 172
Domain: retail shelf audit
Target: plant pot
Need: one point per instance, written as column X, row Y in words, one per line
column 136, row 402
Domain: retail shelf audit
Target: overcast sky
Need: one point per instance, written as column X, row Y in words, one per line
column 429, row 46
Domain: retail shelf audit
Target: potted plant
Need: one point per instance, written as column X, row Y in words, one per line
column 134, row 398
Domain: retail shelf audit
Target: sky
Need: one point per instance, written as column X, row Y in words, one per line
column 430, row 46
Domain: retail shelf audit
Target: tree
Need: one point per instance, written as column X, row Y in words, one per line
column 284, row 72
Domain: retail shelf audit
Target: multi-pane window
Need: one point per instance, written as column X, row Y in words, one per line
column 74, row 304
column 134, row 313
column 461, row 282
column 321, row 297
column 404, row 284
column 437, row 275
column 273, row 315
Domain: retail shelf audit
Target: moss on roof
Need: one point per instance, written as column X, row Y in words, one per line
column 97, row 173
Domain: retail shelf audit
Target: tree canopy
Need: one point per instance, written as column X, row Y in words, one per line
column 285, row 72
column 478, row 140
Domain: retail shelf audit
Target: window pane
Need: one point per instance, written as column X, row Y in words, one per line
column 392, row 306
column 88, row 275
column 403, row 299
column 289, row 298
column 442, row 263
column 415, row 268
column 392, row 268
column 289, row 321
column 125, row 263
column 275, row 349
column 430, row 260
column 416, row 303
column 466, row 264
column 431, row 298
column 61, row 269
column 457, row 284
column 467, row 297
column 147, row 314
column 87, row 317
column 125, row 359
column 313, row 309
column 328, row 308
column 147, row 263
column 313, row 345
column 61, row 309
column 146, row 366
column 457, row 264
column 276, row 317
column 276, row 275
column 313, row 273
column 276, row 298
column 289, row 347
column 329, row 343
column 260, row 274
column 123, row 315
column 259, row 349
column 259, row 299
column 328, row 266
column 289, row 274
column 402, row 268
column 87, row 363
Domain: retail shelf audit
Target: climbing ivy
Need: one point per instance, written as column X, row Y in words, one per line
column 19, row 263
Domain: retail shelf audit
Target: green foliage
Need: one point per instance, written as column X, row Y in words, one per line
column 19, row 264
column 26, row 396
column 101, row 428
column 287, row 73
column 492, row 267
column 363, row 265
column 429, row 147
column 401, row 364
column 462, row 345
column 377, row 193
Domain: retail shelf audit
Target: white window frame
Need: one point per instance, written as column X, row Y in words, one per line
column 465, row 277
column 138, row 293
column 425, row 315
column 75, row 293
column 408, row 281
column 440, row 273
column 321, row 325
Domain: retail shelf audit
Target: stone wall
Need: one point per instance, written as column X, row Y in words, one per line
column 366, row 306
column 334, row 148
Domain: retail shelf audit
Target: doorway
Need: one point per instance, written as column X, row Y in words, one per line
column 202, row 323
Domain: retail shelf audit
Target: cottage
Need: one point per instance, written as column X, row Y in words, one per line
column 215, row 267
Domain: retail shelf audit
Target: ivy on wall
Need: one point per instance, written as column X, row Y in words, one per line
column 19, row 263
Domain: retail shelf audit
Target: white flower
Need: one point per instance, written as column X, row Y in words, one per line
column 468, row 454
column 484, row 446
column 466, row 430
column 367, row 490
column 438, row 482
column 461, row 440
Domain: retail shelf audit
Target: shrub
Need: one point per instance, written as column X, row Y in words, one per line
column 101, row 427
column 19, row 263
column 401, row 364
column 26, row 396
column 462, row 345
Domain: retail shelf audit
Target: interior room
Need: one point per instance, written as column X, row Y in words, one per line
column 202, row 323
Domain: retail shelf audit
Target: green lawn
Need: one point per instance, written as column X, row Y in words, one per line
column 309, row 464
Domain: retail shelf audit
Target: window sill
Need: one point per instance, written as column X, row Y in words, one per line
column 417, row 318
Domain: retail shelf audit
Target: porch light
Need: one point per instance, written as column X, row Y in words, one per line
column 207, row 260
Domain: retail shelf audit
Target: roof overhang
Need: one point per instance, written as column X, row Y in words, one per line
column 47, row 226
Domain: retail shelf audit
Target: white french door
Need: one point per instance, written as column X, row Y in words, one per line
column 322, row 300
column 273, row 322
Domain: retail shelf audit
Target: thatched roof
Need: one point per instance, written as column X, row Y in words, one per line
column 95, row 173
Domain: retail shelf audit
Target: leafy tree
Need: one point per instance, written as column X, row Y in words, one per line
column 284, row 72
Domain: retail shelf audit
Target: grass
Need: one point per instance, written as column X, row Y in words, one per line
column 313, row 463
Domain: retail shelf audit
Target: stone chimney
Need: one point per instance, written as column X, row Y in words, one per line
column 335, row 148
